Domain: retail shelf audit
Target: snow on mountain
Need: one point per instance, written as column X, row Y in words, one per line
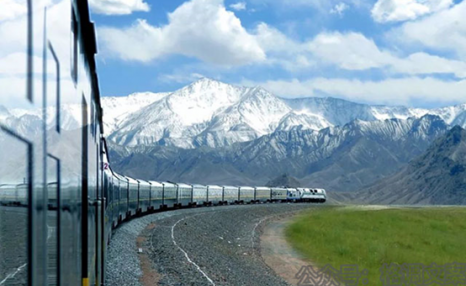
column 454, row 115
column 117, row 108
column 306, row 120
column 339, row 111
column 215, row 114
column 257, row 113
column 178, row 117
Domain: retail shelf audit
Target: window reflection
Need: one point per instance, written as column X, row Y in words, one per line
column 53, row 188
column 14, row 186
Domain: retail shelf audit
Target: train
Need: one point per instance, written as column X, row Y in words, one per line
column 127, row 197
column 59, row 197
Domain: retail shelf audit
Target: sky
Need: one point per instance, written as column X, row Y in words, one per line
column 398, row 52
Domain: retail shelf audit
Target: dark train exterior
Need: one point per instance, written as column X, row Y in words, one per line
column 59, row 197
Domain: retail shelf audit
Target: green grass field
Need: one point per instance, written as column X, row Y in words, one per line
column 370, row 238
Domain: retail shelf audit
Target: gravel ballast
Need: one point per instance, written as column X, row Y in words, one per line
column 198, row 246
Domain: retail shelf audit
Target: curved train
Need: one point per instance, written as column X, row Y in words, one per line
column 59, row 198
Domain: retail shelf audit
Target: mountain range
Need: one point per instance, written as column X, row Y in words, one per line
column 210, row 132
column 336, row 158
column 214, row 114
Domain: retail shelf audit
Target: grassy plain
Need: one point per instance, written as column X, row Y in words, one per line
column 371, row 237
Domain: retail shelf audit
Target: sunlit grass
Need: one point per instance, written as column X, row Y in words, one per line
column 370, row 238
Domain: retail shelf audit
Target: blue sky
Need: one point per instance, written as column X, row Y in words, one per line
column 409, row 52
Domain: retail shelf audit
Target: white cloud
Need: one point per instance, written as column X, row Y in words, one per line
column 203, row 29
column 422, row 63
column 353, row 51
column 339, row 9
column 118, row 7
column 403, row 10
column 401, row 91
column 238, row 6
column 11, row 9
column 445, row 30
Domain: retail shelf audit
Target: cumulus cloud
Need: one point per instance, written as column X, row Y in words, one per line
column 238, row 6
column 401, row 91
column 353, row 51
column 403, row 10
column 118, row 7
column 205, row 30
column 350, row 51
column 444, row 31
column 202, row 29
column 339, row 9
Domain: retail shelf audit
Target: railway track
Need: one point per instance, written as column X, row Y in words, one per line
column 202, row 246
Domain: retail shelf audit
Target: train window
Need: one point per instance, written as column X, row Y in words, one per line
column 15, row 187
column 53, row 86
column 53, row 220
column 74, row 47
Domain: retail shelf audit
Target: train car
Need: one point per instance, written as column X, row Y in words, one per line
column 246, row 194
column 8, row 195
column 199, row 194
column 293, row 195
column 156, row 195
column 16, row 195
column 170, row 195
column 185, row 194
column 144, row 196
column 263, row 194
column 230, row 194
column 215, row 194
column 123, row 196
column 107, row 185
column 114, row 186
column 279, row 194
column 133, row 194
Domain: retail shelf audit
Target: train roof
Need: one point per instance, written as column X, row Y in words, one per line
column 278, row 188
column 199, row 186
column 214, row 187
column 131, row 180
column 247, row 187
column 120, row 177
column 156, row 184
column 262, row 188
column 7, row 185
column 231, row 187
column 143, row 182
column 183, row 185
column 168, row 184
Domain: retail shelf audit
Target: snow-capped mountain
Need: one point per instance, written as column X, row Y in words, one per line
column 342, row 158
column 116, row 109
column 215, row 114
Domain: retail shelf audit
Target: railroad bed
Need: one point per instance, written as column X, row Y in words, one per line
column 200, row 246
